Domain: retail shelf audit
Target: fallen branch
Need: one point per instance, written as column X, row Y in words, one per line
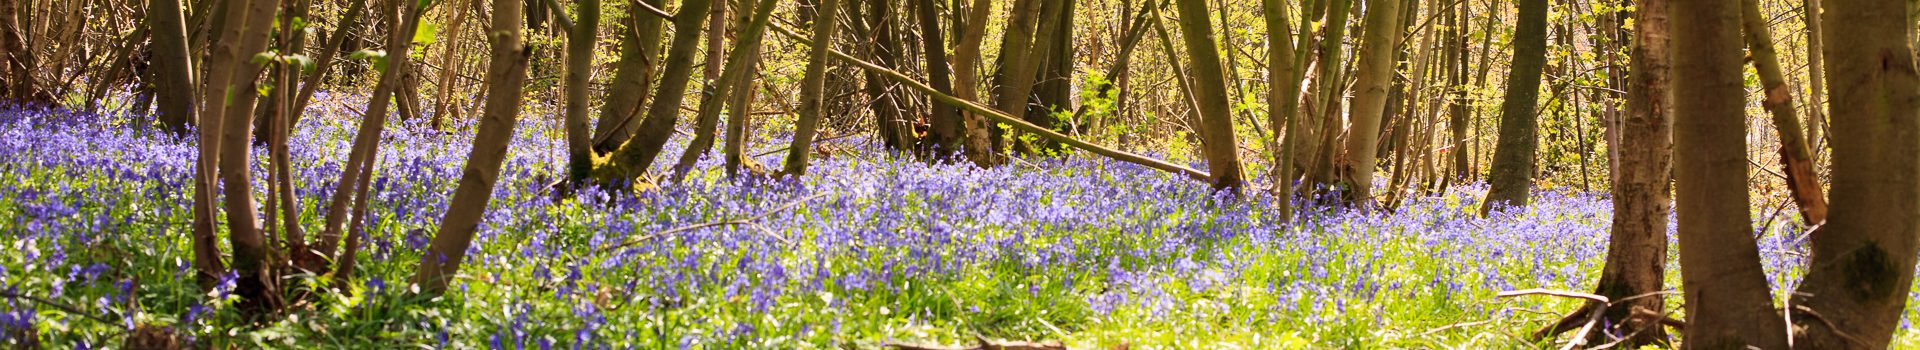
column 1557, row 293
column 985, row 344
column 748, row 221
column 69, row 309
column 1003, row 118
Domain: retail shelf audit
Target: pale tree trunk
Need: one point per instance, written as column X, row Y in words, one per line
column 966, row 83
column 636, row 154
column 632, row 77
column 1637, row 247
column 1210, row 93
column 580, row 47
column 507, row 70
column 1777, row 97
column 1511, row 180
column 1728, row 302
column 812, row 100
column 1861, row 268
column 1370, row 96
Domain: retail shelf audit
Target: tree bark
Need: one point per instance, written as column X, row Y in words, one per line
column 740, row 101
column 173, row 68
column 978, row 146
column 1283, row 101
column 20, row 64
column 636, row 154
column 1370, row 98
column 1511, row 180
column 580, row 45
column 1862, row 263
column 812, row 100
column 507, row 70
column 1816, row 77
column 945, row 131
column 1637, row 248
column 1210, row 93
column 632, row 77
column 366, row 142
column 1727, row 298
column 247, row 33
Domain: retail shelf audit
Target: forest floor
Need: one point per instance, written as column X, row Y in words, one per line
column 867, row 250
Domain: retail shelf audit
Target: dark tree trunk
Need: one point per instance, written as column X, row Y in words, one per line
column 1728, row 302
column 1512, row 177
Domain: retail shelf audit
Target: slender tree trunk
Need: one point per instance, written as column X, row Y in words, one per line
column 635, row 155
column 896, row 132
column 812, row 100
column 946, row 128
column 449, row 62
column 366, row 142
column 508, row 70
column 340, row 36
column 1210, row 93
column 1727, row 298
column 966, row 60
column 1283, row 100
column 1816, row 77
column 1512, row 177
column 1862, row 263
column 580, row 45
column 1457, row 112
column 1331, row 87
column 1370, row 96
column 1777, row 97
column 740, row 102
column 719, row 92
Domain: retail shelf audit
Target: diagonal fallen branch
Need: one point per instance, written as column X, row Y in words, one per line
column 1002, row 118
column 748, row 221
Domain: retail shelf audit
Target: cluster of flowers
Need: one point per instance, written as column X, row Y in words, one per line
column 867, row 247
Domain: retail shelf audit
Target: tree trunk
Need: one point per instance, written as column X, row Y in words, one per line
column 340, row 36
column 966, row 60
column 812, row 100
column 1457, row 112
column 740, row 103
column 366, row 142
column 1370, row 96
column 1512, row 177
column 19, row 63
column 1283, row 101
column 1637, row 249
column 1861, row 268
column 1727, row 298
column 1795, row 159
column 1053, row 88
column 632, row 77
column 636, row 154
column 1017, row 62
column 945, row 127
column 1210, row 93
column 247, row 33
column 1816, row 77
column 173, row 68
column 896, row 132
column 580, row 45
column 507, row 70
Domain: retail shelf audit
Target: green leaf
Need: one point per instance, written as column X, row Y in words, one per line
column 424, row 35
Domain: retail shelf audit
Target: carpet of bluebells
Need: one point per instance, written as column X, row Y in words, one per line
column 867, row 249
